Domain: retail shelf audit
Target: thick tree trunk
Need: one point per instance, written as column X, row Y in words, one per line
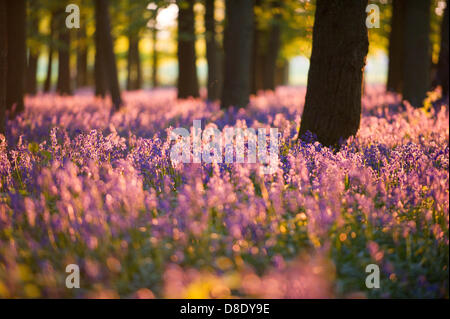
column 395, row 69
column 340, row 44
column 3, row 64
column 273, row 50
column 63, row 86
column 212, row 55
column 48, row 79
column 417, row 52
column 442, row 72
column 107, row 68
column 155, row 82
column 134, row 75
column 82, row 58
column 187, row 69
column 238, row 52
column 16, row 60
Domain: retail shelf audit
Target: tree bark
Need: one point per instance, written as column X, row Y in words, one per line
column 16, row 59
column 134, row 75
column 48, row 79
column 238, row 51
column 63, row 86
column 395, row 69
column 257, row 60
column 212, row 55
column 3, row 64
column 82, row 58
column 187, row 69
column 106, row 60
column 442, row 72
column 340, row 44
column 417, row 52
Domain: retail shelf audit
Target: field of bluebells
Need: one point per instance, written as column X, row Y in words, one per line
column 81, row 185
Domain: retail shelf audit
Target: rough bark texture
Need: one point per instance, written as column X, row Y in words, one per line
column 3, row 64
column 63, row 86
column 443, row 67
column 82, row 58
column 238, row 51
column 134, row 75
column 340, row 44
column 48, row 79
column 99, row 69
column 212, row 52
column 273, row 49
column 16, row 59
column 417, row 52
column 155, row 82
column 108, row 67
column 187, row 69
column 395, row 70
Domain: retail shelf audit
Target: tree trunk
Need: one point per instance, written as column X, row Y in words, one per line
column 33, row 53
column 48, row 79
column 134, row 76
column 3, row 64
column 442, row 72
column 212, row 52
column 238, row 51
column 99, row 69
column 257, row 60
column 282, row 73
column 396, row 53
column 155, row 83
column 16, row 59
column 273, row 49
column 187, row 69
column 63, row 86
column 340, row 44
column 107, row 68
column 82, row 57
column 417, row 52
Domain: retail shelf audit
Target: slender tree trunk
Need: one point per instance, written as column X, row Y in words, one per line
column 396, row 53
column 134, row 76
column 99, row 69
column 155, row 82
column 273, row 49
column 340, row 44
column 211, row 51
column 82, row 58
column 238, row 51
column 3, row 64
column 257, row 60
column 187, row 69
column 417, row 52
column 33, row 54
column 16, row 60
column 442, row 72
column 63, row 86
column 282, row 73
column 48, row 79
column 108, row 67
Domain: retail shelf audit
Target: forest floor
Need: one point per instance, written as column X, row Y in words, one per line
column 82, row 186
